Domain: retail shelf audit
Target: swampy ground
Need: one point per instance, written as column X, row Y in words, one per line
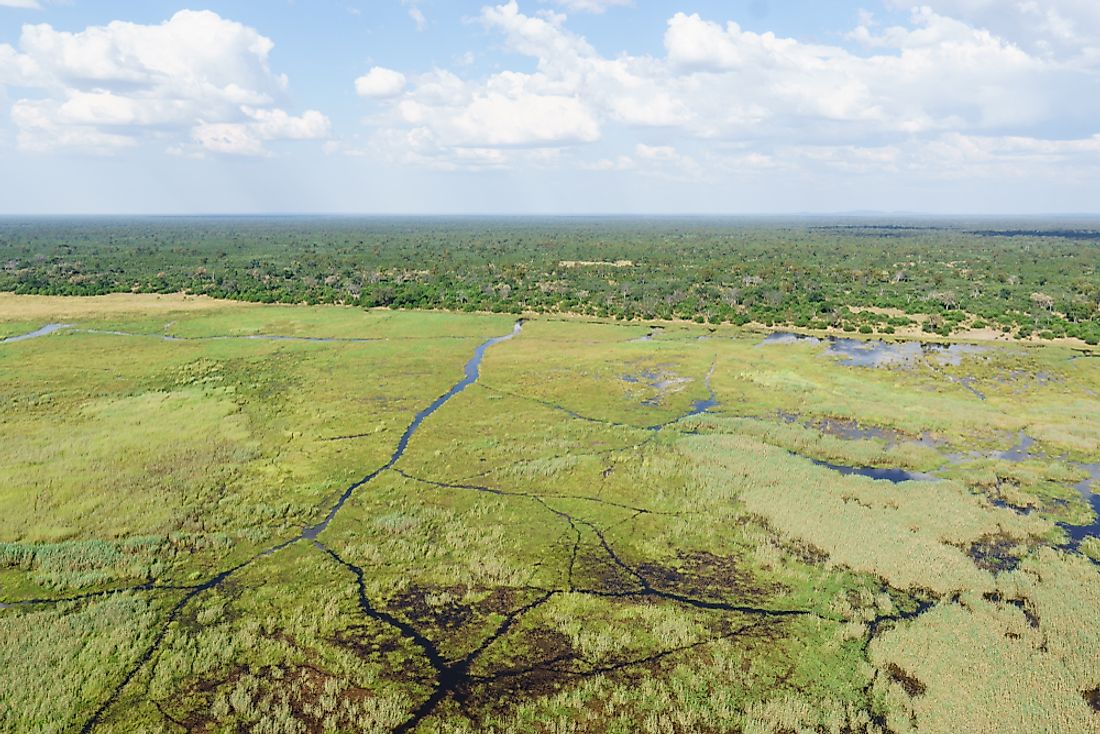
column 214, row 518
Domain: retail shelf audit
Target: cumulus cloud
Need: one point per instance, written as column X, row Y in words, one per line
column 924, row 85
column 194, row 77
column 503, row 119
column 248, row 138
column 935, row 74
column 380, row 82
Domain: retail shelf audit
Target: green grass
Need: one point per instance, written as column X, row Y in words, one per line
column 17, row 328
column 559, row 549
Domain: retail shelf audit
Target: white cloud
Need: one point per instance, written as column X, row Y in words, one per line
column 619, row 163
column 497, row 119
column 248, row 138
column 908, row 90
column 40, row 131
column 1065, row 28
column 417, row 15
column 949, row 156
column 380, row 82
column 935, row 74
column 28, row 4
column 592, row 6
column 656, row 152
column 228, row 138
column 195, row 75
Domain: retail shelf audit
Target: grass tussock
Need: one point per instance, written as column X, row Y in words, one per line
column 57, row 665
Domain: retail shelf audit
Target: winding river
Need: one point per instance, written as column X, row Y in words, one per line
column 472, row 372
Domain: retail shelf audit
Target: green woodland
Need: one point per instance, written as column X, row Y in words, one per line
column 220, row 516
column 1018, row 279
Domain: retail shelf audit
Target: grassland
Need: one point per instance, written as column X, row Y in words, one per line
column 570, row 544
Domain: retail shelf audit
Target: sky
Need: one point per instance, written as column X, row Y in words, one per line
column 549, row 106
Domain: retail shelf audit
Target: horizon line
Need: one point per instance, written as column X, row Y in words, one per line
column 559, row 215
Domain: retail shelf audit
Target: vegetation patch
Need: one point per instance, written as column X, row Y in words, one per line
column 290, row 519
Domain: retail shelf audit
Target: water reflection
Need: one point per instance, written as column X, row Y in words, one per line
column 44, row 331
column 875, row 353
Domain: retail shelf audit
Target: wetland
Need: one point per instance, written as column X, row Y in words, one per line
column 226, row 517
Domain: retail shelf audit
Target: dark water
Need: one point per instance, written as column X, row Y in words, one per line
column 702, row 406
column 472, row 370
column 44, row 331
column 897, row 476
column 1020, row 452
column 1078, row 533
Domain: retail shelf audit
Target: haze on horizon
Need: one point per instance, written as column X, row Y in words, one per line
column 549, row 107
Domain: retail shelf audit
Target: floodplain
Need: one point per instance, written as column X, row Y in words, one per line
column 229, row 517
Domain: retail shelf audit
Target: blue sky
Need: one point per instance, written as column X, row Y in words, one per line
column 551, row 106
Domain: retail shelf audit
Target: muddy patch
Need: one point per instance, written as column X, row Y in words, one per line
column 541, row 663
column 369, row 642
column 658, row 383
column 702, row 574
column 909, row 683
column 803, row 551
column 450, row 609
column 594, row 571
column 847, row 429
column 996, row 553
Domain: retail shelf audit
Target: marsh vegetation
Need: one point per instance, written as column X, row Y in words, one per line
column 229, row 517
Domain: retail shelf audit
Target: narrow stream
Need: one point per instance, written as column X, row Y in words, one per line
column 472, row 370
column 44, row 331
column 702, row 406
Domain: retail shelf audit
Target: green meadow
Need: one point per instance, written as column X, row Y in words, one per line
column 213, row 518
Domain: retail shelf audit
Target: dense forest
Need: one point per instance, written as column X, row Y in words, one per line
column 1021, row 278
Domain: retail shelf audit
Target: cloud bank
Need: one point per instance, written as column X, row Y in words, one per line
column 195, row 83
column 947, row 89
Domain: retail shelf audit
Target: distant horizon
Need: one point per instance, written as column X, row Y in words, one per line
column 869, row 215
